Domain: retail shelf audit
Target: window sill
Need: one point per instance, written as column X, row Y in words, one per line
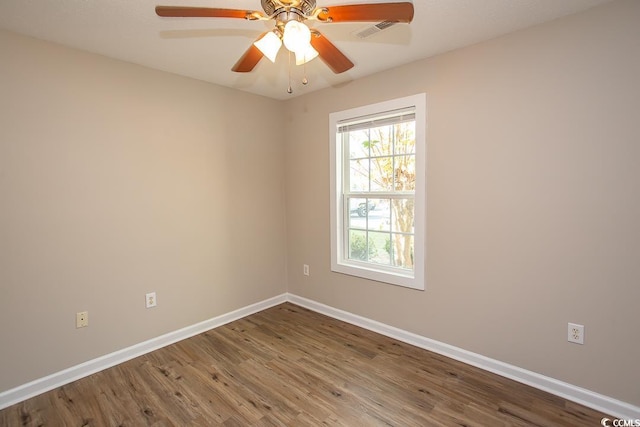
column 366, row 271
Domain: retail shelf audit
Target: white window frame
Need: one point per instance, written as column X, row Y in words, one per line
column 340, row 262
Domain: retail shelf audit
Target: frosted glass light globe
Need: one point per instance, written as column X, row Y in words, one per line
column 297, row 36
column 269, row 45
column 302, row 57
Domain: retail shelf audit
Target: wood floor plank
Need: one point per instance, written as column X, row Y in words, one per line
column 288, row 366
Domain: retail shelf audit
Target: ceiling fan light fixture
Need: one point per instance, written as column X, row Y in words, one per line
column 290, row 18
column 269, row 45
column 306, row 56
column 297, row 36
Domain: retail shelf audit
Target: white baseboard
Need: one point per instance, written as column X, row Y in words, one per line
column 580, row 395
column 599, row 402
column 41, row 385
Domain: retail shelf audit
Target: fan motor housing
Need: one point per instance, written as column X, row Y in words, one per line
column 304, row 6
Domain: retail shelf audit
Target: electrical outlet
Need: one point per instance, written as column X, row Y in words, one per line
column 82, row 319
column 151, row 300
column 305, row 269
column 576, row 333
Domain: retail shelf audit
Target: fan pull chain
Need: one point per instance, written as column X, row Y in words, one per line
column 304, row 70
column 289, row 90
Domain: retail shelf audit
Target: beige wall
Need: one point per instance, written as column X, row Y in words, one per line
column 116, row 180
column 533, row 199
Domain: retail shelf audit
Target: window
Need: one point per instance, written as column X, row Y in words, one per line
column 378, row 191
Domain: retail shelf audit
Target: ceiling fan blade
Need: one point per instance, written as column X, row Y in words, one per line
column 203, row 12
column 392, row 12
column 250, row 59
column 330, row 54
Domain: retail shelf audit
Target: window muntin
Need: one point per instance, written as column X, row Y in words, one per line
column 378, row 191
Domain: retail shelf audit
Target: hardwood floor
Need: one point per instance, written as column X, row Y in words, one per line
column 290, row 366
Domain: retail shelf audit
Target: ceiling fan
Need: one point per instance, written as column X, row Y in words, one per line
column 290, row 28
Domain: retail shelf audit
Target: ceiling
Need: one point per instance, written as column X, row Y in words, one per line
column 207, row 48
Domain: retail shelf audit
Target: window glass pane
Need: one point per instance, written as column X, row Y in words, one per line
column 357, row 213
column 379, row 215
column 359, row 175
column 381, row 174
column 380, row 247
column 358, row 245
column 358, row 144
column 402, row 218
column 402, row 250
column 405, row 173
column 381, row 141
column 405, row 138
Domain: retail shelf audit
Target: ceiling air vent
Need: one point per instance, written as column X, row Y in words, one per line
column 373, row 29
